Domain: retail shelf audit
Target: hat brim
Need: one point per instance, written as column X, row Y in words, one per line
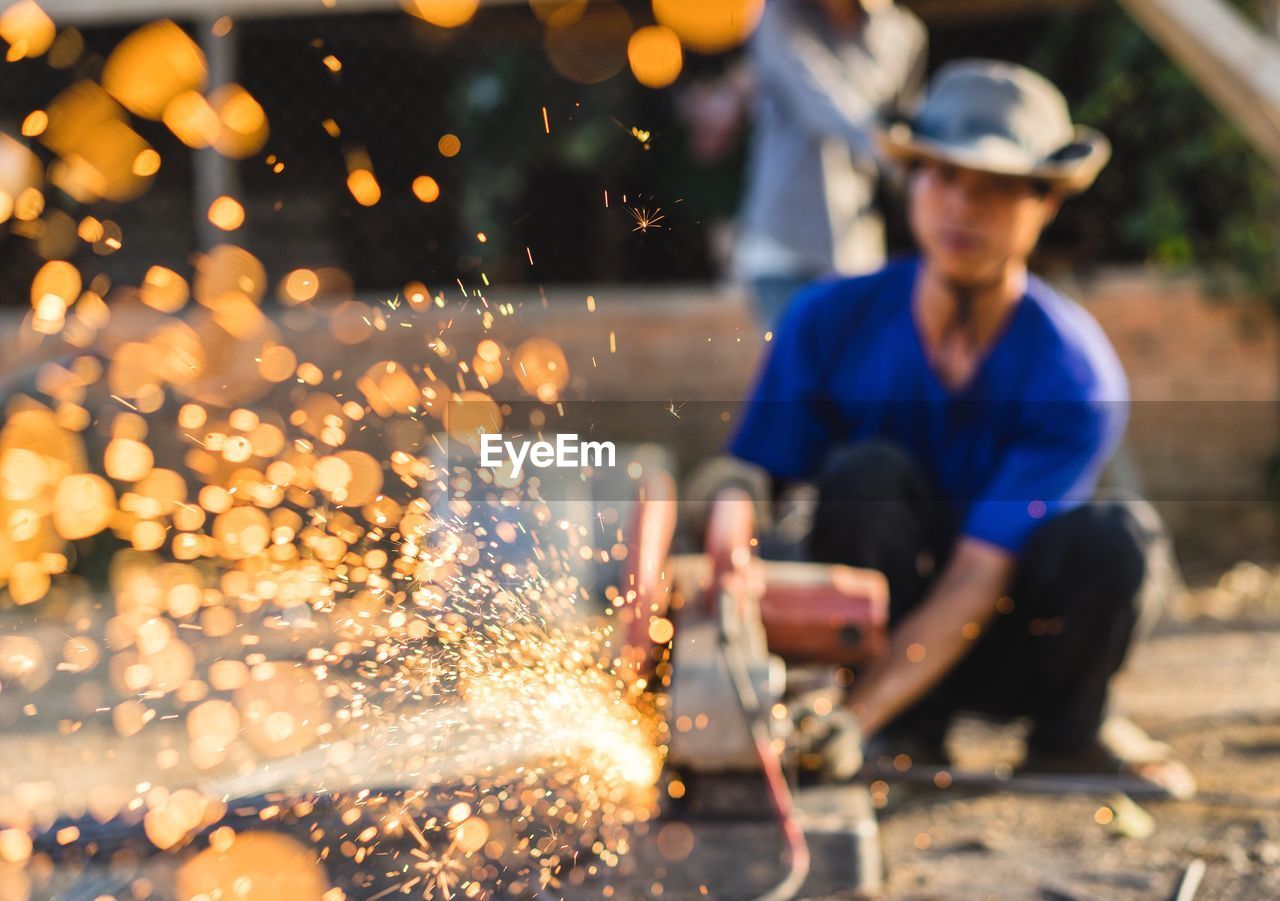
column 1072, row 169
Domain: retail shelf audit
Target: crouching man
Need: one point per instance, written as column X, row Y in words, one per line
column 955, row 413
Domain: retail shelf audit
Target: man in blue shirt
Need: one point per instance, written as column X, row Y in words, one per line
column 955, row 413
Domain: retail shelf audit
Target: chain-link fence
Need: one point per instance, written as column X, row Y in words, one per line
column 534, row 177
column 476, row 131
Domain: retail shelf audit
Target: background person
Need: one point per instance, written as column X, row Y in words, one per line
column 827, row 73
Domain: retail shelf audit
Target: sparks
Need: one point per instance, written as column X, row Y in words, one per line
column 444, row 652
column 646, row 219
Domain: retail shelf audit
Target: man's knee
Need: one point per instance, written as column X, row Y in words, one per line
column 1123, row 531
column 1121, row 548
column 868, row 470
column 875, row 510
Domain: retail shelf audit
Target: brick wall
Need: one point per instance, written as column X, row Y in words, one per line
column 1204, row 374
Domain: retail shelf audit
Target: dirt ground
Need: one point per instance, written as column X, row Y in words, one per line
column 1208, row 683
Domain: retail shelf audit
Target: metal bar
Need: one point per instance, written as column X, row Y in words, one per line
column 98, row 12
column 1234, row 64
column 949, row 12
column 214, row 174
column 1189, row 884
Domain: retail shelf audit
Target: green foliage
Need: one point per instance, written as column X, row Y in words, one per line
column 1184, row 188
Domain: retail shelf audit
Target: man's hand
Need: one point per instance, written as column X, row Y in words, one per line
column 829, row 744
column 933, row 638
column 841, row 749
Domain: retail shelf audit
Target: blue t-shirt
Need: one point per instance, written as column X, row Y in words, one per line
column 1026, row 439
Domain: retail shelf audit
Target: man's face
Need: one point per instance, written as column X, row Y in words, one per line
column 970, row 224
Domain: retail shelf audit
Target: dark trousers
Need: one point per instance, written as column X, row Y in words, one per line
column 1081, row 587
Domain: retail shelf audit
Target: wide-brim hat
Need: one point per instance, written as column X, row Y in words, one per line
column 1002, row 118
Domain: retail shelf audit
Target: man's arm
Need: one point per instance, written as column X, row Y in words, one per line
column 913, row 88
column 935, row 636
column 804, row 73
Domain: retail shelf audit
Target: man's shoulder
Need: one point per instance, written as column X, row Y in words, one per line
column 1073, row 348
column 908, row 22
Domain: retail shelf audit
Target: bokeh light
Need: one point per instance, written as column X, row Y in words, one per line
column 426, row 189
column 558, row 13
column 242, row 128
column 364, row 187
column 97, row 148
column 449, row 145
column 226, row 213
column 541, row 368
column 164, row 290
column 20, row 171
column 710, row 26
column 444, row 13
column 152, row 66
column 254, row 866
column 593, row 47
column 26, row 28
column 655, row 56
column 192, row 119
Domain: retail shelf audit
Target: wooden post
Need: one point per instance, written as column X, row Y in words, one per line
column 1234, row 64
column 215, row 174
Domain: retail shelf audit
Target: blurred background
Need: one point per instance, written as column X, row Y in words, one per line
column 1185, row 188
column 519, row 147
column 508, row 170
